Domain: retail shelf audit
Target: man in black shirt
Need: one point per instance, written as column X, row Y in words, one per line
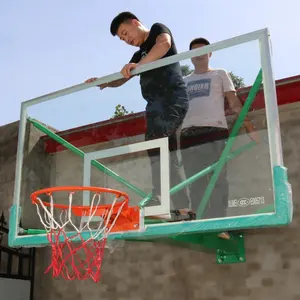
column 163, row 88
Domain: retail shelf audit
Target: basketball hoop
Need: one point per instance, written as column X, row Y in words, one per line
column 77, row 251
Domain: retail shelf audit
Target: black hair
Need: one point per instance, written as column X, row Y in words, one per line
column 119, row 19
column 199, row 41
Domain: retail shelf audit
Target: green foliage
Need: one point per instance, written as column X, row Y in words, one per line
column 186, row 70
column 237, row 81
column 120, row 111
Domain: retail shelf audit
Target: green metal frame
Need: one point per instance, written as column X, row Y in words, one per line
column 227, row 251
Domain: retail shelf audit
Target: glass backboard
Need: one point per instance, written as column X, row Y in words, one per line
column 205, row 163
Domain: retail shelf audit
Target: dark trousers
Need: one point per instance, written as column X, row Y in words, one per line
column 200, row 148
column 166, row 122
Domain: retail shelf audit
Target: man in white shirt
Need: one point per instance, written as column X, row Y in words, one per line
column 205, row 130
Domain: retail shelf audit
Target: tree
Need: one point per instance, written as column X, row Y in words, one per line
column 237, row 80
column 120, row 111
column 186, row 70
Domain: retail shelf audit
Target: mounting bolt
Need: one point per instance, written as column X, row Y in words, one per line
column 241, row 259
column 136, row 225
column 219, row 260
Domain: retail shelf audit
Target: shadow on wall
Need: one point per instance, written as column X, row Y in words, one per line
column 35, row 174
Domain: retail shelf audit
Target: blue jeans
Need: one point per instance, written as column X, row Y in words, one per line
column 165, row 121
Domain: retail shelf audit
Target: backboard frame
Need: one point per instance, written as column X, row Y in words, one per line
column 281, row 187
column 162, row 144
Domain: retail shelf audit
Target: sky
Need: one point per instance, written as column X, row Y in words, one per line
column 50, row 45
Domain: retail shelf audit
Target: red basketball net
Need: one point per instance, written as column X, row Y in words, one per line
column 77, row 252
column 67, row 257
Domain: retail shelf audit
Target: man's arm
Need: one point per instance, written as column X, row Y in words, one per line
column 163, row 43
column 235, row 103
column 236, row 106
column 160, row 49
column 115, row 83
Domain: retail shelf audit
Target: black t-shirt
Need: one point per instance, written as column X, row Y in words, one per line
column 160, row 84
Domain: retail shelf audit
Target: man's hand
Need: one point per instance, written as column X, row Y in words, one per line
column 236, row 106
column 101, row 86
column 252, row 133
column 254, row 136
column 127, row 69
column 160, row 49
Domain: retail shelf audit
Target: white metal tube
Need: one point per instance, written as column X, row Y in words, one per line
column 20, row 154
column 19, row 166
column 270, row 101
column 245, row 38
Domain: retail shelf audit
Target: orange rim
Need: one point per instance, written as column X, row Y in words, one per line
column 80, row 209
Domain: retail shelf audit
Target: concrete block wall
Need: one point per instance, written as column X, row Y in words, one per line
column 151, row 271
column 8, row 149
column 35, row 173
